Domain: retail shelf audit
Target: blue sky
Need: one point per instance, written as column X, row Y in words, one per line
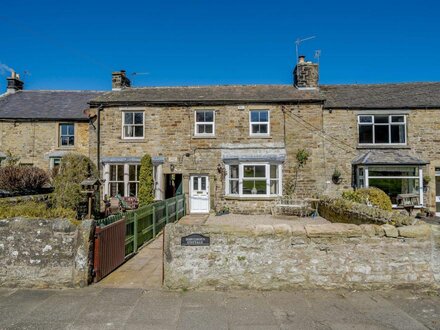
column 76, row 44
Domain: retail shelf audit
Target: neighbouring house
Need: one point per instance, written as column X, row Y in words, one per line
column 40, row 126
column 236, row 146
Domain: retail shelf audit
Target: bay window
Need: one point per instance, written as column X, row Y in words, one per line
column 122, row 179
column 382, row 129
column 253, row 180
column 393, row 180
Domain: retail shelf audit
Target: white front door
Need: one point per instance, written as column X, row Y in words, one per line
column 199, row 194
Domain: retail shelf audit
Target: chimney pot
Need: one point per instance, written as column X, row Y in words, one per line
column 301, row 59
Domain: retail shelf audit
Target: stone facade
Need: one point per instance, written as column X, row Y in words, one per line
column 35, row 142
column 311, row 256
column 169, row 133
column 44, row 253
column 341, row 145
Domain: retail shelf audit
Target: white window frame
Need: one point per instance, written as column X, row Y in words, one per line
column 196, row 123
column 259, row 123
column 389, row 124
column 126, row 178
column 60, row 135
column 267, row 178
column 52, row 162
column 123, row 112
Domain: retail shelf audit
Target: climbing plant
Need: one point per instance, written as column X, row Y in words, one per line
column 146, row 182
column 302, row 156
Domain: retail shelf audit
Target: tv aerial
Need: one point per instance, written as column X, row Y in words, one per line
column 298, row 43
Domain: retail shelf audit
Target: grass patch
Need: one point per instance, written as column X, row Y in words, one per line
column 32, row 209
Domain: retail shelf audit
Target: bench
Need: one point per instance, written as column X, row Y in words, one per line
column 296, row 206
column 407, row 202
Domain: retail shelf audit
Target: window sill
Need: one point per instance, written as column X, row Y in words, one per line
column 133, row 140
column 260, row 137
column 204, row 137
column 66, row 147
column 257, row 198
column 382, row 146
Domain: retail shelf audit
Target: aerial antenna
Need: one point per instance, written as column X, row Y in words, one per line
column 317, row 55
column 139, row 73
column 298, row 42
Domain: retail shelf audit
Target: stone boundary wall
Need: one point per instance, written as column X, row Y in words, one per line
column 44, row 253
column 295, row 256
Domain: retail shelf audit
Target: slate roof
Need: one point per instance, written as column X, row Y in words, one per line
column 388, row 157
column 45, row 105
column 209, row 95
column 382, row 96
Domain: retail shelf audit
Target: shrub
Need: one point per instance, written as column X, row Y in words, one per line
column 369, row 196
column 32, row 209
column 74, row 168
column 22, row 179
column 146, row 183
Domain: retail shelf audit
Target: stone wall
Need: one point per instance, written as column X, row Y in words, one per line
column 295, row 256
column 44, row 253
column 34, row 141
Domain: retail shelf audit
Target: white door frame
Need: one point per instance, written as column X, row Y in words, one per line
column 437, row 193
column 204, row 194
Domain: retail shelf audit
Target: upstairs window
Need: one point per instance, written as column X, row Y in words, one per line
column 382, row 129
column 205, row 124
column 132, row 125
column 259, row 123
column 67, row 135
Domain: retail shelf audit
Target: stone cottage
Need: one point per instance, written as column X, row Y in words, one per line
column 40, row 126
column 236, row 146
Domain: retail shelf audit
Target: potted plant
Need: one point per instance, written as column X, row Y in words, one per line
column 337, row 176
column 224, row 210
column 426, row 181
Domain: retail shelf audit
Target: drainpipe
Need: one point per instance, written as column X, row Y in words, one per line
column 98, row 140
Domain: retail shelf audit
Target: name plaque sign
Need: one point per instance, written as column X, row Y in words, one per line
column 195, row 240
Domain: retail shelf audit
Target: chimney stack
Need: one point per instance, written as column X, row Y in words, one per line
column 306, row 74
column 120, row 80
column 14, row 83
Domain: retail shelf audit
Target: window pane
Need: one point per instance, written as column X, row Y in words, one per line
column 195, row 183
column 233, row 169
column 260, row 171
column 381, row 119
column 381, row 133
column 71, row 141
column 208, row 129
column 248, row 171
column 274, row 187
column 393, row 171
column 209, row 116
column 365, row 119
column 263, row 128
column 70, row 129
column 200, row 116
column 113, row 189
column 264, row 115
column 394, row 187
column 201, row 129
column 132, row 189
column 397, row 133
column 120, row 174
column 128, row 118
column 233, row 186
column 254, row 187
column 112, row 172
column 203, row 179
column 139, row 131
column 255, row 116
column 397, row 119
column 132, row 172
column 121, row 188
column 274, row 171
column 128, row 131
column 64, row 129
column 138, row 118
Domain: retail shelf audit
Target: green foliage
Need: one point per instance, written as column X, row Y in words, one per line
column 74, row 168
column 22, row 178
column 302, row 156
column 32, row 209
column 369, row 196
column 146, row 182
